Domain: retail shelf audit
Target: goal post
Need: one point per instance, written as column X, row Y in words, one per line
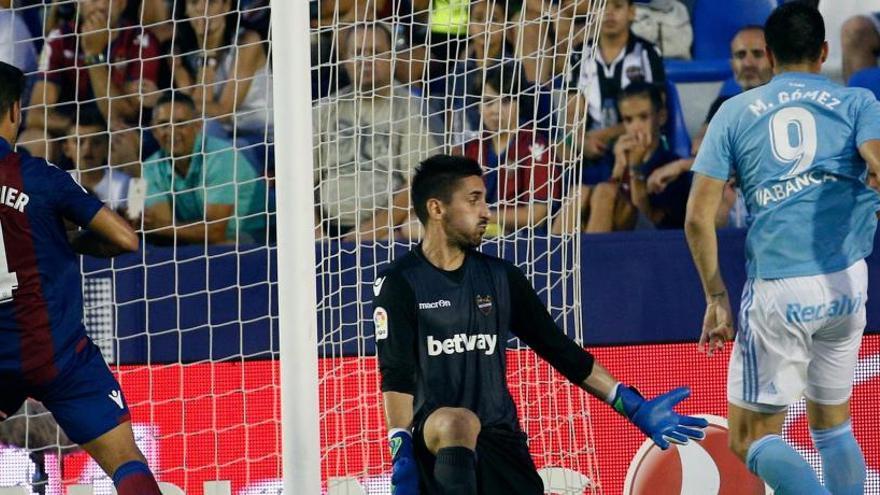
column 392, row 87
column 296, row 249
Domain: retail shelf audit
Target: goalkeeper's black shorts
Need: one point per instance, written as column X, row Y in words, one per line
column 504, row 465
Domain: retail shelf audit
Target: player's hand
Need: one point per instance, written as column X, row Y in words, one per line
column 657, row 419
column 404, row 471
column 717, row 324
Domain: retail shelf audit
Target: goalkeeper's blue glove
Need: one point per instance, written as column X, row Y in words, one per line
column 656, row 418
column 404, row 471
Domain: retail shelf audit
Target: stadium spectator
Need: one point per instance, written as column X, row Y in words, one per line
column 448, row 22
column 642, row 152
column 88, row 149
column 488, row 47
column 107, row 60
column 751, row 69
column 199, row 189
column 226, row 71
column 16, row 40
column 543, row 28
column 410, row 70
column 639, row 154
column 368, row 137
column 621, row 58
column 860, row 39
column 156, row 16
column 520, row 172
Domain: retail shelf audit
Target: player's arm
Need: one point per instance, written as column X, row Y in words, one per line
column 702, row 211
column 394, row 321
column 107, row 235
column 534, row 326
column 870, row 151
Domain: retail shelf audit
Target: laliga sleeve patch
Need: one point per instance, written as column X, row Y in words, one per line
column 380, row 321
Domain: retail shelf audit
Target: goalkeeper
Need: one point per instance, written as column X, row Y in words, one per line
column 443, row 314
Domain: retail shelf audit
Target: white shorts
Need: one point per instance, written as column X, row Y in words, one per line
column 797, row 337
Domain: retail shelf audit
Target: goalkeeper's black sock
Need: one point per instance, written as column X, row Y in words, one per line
column 455, row 471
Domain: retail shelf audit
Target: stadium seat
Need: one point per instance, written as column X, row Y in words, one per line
column 715, row 23
column 867, row 78
column 730, row 87
column 676, row 128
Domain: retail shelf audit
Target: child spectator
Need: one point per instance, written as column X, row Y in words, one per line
column 621, row 58
column 639, row 154
column 521, row 176
column 488, row 47
column 87, row 148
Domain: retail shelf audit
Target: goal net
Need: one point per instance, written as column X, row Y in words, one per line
column 394, row 83
column 164, row 107
column 163, row 110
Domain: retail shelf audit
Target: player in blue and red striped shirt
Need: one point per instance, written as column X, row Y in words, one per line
column 44, row 350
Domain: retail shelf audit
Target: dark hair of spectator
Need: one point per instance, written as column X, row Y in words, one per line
column 66, row 11
column 90, row 116
column 508, row 80
column 437, row 177
column 641, row 89
column 795, row 32
column 176, row 97
column 11, row 87
column 185, row 41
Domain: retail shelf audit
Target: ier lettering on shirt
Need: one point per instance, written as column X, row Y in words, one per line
column 13, row 198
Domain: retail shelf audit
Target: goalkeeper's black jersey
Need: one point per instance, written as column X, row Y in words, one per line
column 442, row 335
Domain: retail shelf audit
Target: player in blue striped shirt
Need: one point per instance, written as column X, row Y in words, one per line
column 798, row 147
column 44, row 350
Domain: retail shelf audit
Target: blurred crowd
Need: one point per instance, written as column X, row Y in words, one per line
column 163, row 109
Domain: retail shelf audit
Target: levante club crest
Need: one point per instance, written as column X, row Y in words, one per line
column 484, row 303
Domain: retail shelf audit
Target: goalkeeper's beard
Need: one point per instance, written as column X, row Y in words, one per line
column 465, row 240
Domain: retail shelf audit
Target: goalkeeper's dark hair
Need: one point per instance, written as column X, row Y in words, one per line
column 794, row 33
column 437, row 177
column 11, row 87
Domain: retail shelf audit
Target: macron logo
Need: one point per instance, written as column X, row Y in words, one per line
column 461, row 343
column 116, row 397
column 377, row 286
column 440, row 303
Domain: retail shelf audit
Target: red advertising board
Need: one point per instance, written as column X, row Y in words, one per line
column 220, row 421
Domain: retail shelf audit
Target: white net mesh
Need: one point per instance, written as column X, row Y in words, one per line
column 188, row 323
column 396, row 82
